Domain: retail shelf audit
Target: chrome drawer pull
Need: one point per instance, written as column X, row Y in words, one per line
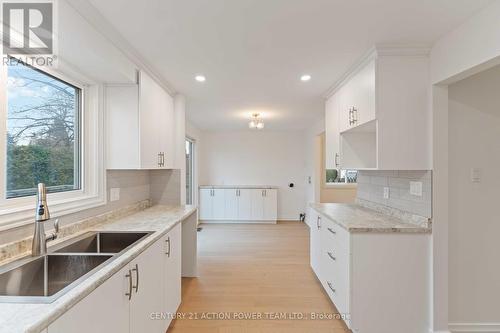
column 136, row 270
column 330, row 286
column 331, row 256
column 129, row 276
column 332, row 231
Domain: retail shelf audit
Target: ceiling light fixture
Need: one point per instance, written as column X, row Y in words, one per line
column 305, row 78
column 200, row 78
column 256, row 122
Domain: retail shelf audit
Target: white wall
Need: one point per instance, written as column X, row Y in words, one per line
column 258, row 158
column 312, row 157
column 474, row 142
column 473, row 46
column 195, row 134
column 468, row 48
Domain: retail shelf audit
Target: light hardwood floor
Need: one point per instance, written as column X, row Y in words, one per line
column 257, row 269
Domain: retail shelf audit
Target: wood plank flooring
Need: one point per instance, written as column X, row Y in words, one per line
column 254, row 269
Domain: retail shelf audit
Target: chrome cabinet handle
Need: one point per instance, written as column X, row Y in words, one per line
column 354, row 115
column 336, row 159
column 168, row 246
column 331, row 256
column 136, row 269
column 129, row 276
column 159, row 160
column 318, row 222
column 332, row 231
column 350, row 116
column 330, row 286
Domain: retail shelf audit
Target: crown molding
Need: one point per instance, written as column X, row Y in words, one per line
column 92, row 15
column 379, row 50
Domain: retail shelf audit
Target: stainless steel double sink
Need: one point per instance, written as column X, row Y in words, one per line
column 45, row 278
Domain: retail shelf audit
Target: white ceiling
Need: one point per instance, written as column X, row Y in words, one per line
column 253, row 52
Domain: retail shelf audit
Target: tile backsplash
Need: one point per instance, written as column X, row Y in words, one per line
column 371, row 186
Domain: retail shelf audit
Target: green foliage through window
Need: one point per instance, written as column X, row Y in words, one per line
column 42, row 132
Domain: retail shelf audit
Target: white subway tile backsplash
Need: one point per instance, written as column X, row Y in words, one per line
column 371, row 188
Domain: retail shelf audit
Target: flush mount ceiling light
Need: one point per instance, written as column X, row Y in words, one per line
column 200, row 78
column 256, row 122
column 305, row 78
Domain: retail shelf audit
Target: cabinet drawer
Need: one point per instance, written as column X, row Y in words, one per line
column 334, row 237
column 335, row 269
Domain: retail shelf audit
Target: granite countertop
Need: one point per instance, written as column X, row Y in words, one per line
column 19, row 317
column 357, row 218
column 240, row 186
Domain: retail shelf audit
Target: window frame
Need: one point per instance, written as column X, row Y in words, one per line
column 16, row 212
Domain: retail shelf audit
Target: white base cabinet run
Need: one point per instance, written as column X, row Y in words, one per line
column 141, row 297
column 379, row 282
column 238, row 204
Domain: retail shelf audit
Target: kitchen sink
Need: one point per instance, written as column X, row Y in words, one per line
column 38, row 280
column 102, row 242
column 44, row 278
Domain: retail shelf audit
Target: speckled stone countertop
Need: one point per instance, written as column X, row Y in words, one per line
column 357, row 218
column 240, row 186
column 34, row 318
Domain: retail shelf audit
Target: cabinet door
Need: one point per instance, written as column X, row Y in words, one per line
column 172, row 273
column 149, row 98
column 245, row 204
column 344, row 104
column 363, row 90
column 166, row 134
column 332, row 134
column 105, row 310
column 147, row 281
column 231, row 203
column 257, row 204
column 315, row 242
column 206, row 204
column 270, row 204
column 219, row 204
column 122, row 127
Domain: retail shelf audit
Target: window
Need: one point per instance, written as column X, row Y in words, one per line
column 189, row 171
column 51, row 130
column 334, row 176
column 43, row 132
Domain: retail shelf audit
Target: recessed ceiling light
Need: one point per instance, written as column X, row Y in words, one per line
column 305, row 77
column 200, row 78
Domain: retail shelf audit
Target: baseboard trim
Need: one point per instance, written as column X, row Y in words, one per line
column 474, row 327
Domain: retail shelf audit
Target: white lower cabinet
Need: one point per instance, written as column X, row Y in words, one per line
column 212, row 204
column 141, row 297
column 379, row 282
column 146, row 298
column 238, row 204
column 105, row 310
column 172, row 272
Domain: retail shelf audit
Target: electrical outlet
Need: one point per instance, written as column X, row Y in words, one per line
column 386, row 193
column 114, row 194
column 475, row 175
column 416, row 188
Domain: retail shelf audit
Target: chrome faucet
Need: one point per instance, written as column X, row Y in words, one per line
column 39, row 245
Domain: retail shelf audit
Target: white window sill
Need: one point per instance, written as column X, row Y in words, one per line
column 16, row 217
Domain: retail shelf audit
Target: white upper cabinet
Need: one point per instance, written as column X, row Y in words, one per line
column 140, row 126
column 378, row 116
column 332, row 138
